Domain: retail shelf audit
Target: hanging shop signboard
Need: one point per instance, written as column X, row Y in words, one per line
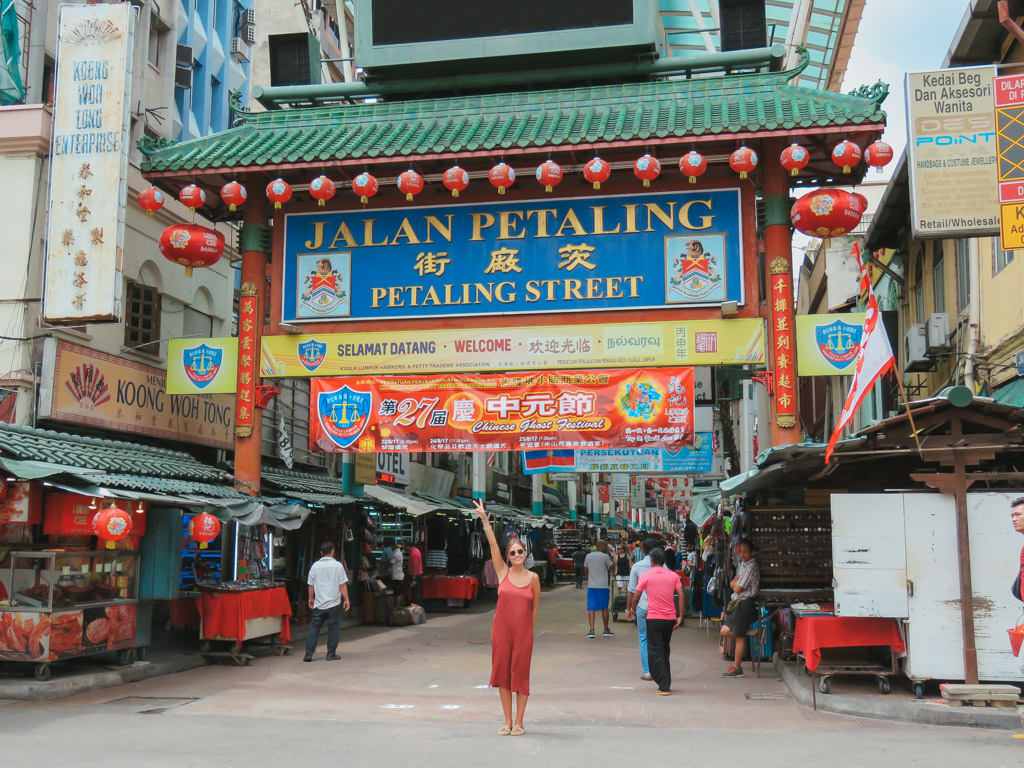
column 83, row 386
column 248, row 360
column 549, row 410
column 671, row 249
column 202, row 366
column 89, row 163
column 698, row 458
column 827, row 344
column 781, row 301
column 606, row 345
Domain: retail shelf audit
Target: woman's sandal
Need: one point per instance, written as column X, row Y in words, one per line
column 505, row 730
column 518, row 730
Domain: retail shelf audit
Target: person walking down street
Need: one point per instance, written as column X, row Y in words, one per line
column 398, row 570
column 328, row 597
column 740, row 611
column 664, row 589
column 515, row 619
column 637, row 609
column 622, row 567
column 415, row 573
column 1017, row 518
column 578, row 557
column 597, row 569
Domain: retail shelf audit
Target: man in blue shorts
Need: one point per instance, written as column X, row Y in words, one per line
column 597, row 570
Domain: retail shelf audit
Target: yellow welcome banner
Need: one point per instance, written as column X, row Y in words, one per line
column 622, row 345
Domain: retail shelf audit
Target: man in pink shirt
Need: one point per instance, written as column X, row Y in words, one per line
column 415, row 573
column 663, row 587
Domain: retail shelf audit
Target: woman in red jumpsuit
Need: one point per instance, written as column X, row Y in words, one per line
column 512, row 632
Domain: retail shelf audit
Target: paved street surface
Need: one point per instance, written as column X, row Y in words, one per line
column 416, row 696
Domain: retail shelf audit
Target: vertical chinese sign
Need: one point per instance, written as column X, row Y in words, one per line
column 89, row 163
column 247, row 360
column 781, row 300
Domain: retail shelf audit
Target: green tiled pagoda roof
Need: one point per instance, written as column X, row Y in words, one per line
column 107, row 456
column 648, row 111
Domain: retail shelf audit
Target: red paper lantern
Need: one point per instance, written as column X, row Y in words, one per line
column 846, row 154
column 203, row 528
column 151, row 199
column 794, row 158
column 112, row 524
column 693, row 164
column 647, row 169
column 549, row 173
column 193, row 197
column 279, row 191
column 597, row 171
column 233, row 194
column 502, row 176
column 743, row 161
column 191, row 245
column 455, row 180
column 878, row 155
column 410, row 183
column 364, row 185
column 827, row 212
column 322, row 189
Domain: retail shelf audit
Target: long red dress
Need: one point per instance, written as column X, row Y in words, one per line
column 512, row 637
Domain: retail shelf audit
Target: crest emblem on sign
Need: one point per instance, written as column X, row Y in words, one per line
column 838, row 342
column 202, row 364
column 323, row 288
column 694, row 270
column 344, row 414
column 312, row 354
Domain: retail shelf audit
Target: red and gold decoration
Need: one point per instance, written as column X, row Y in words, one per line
column 365, row 185
column 878, row 155
column 597, row 171
column 502, row 176
column 743, row 161
column 191, row 245
column 794, row 159
column 455, row 180
column 782, row 340
column 827, row 212
column 233, row 194
column 322, row 189
column 203, row 528
column 410, row 183
column 693, row 164
column 151, row 200
column 193, row 197
column 248, row 360
column 846, row 154
column 647, row 169
column 549, row 173
column 111, row 525
column 279, row 191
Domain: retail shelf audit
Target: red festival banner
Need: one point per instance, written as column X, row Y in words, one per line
column 503, row 412
column 783, row 343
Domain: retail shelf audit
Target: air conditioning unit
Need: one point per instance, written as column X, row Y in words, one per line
column 183, row 56
column 249, row 16
column 183, row 77
column 938, row 333
column 239, row 49
column 249, row 33
column 915, row 350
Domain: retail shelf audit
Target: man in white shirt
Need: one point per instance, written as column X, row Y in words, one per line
column 328, row 596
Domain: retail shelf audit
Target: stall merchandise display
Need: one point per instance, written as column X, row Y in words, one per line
column 446, row 587
column 247, row 614
column 252, row 553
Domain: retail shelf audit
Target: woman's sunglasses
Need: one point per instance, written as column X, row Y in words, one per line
column 515, row 552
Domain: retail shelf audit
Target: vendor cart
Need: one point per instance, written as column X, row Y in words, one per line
column 63, row 605
column 241, row 614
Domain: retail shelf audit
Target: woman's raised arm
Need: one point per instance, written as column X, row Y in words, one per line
column 496, row 556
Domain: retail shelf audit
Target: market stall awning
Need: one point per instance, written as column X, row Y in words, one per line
column 412, row 505
column 258, row 512
column 305, row 486
column 1011, row 394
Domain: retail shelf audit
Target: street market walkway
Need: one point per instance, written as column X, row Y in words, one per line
column 418, row 695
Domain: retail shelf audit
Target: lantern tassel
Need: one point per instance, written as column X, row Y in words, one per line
column 548, row 188
column 846, row 169
column 364, row 199
column 455, row 193
column 408, row 196
column 277, row 206
column 693, row 179
column 320, row 203
column 203, row 545
column 232, row 207
column 647, row 182
column 150, row 213
column 110, row 545
column 188, row 271
column 501, row 190
column 794, row 172
column 597, row 185
column 743, row 174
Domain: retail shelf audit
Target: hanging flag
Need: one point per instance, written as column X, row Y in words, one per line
column 284, row 442
column 863, row 268
column 874, row 358
column 12, row 91
column 535, row 462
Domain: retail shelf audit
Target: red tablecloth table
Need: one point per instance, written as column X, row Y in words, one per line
column 816, row 632
column 225, row 613
column 442, row 587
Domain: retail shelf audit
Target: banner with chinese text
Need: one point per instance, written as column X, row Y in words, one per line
column 549, row 410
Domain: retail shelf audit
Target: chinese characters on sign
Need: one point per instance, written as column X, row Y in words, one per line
column 781, row 301
column 247, row 360
column 551, row 410
column 89, row 163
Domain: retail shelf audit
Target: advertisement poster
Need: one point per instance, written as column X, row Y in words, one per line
column 827, row 344
column 604, row 345
column 82, row 386
column 552, row 410
column 202, row 366
column 642, row 251
column 697, row 458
